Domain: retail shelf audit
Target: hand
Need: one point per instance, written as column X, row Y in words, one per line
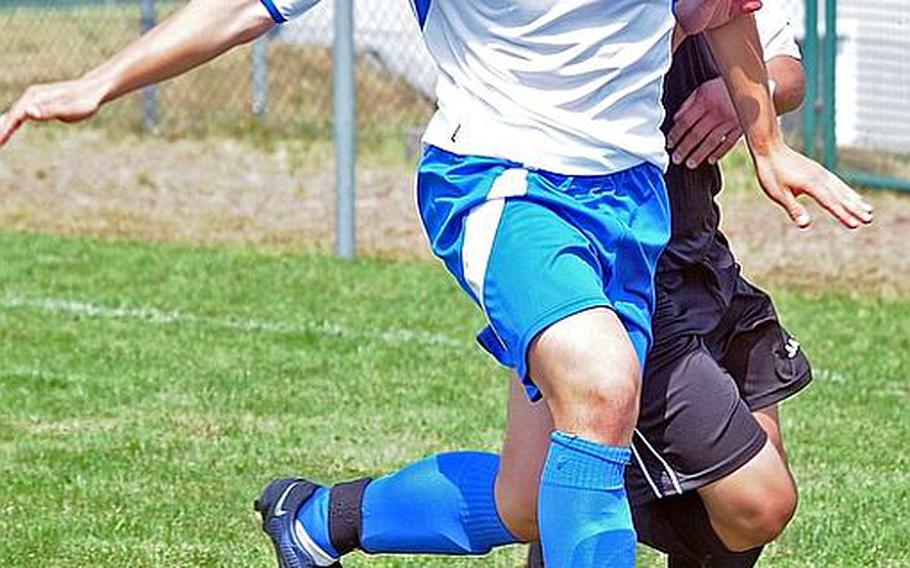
column 696, row 16
column 69, row 101
column 705, row 127
column 785, row 174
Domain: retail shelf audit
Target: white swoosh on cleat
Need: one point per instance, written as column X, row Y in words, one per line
column 280, row 511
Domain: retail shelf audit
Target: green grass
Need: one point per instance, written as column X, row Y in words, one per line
column 147, row 392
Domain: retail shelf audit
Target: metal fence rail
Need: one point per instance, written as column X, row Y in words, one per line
column 355, row 73
column 856, row 56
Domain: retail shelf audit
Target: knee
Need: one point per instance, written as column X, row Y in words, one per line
column 760, row 519
column 611, row 400
column 590, row 375
column 605, row 406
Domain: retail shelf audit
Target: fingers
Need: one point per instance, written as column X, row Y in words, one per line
column 856, row 206
column 790, row 174
column 10, row 123
column 749, row 6
column 825, row 192
column 27, row 108
column 733, row 138
column 858, row 213
column 688, row 115
column 844, row 203
column 709, row 145
column 853, row 200
column 709, row 127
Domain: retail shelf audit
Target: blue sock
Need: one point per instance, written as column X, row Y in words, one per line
column 583, row 512
column 443, row 504
column 314, row 516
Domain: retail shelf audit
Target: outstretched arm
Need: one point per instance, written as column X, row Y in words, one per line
column 783, row 173
column 200, row 31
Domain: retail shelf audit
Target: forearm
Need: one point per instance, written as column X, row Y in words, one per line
column 198, row 32
column 788, row 77
column 738, row 52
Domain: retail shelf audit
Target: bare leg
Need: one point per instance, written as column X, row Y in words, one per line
column 588, row 371
column 753, row 505
column 524, row 451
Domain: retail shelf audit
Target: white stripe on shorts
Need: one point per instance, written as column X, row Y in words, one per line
column 481, row 225
column 644, row 471
column 674, row 478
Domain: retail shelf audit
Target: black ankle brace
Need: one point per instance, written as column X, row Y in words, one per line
column 345, row 514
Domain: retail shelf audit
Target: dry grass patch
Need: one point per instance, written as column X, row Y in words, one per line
column 224, row 192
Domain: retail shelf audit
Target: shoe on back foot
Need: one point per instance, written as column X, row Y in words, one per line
column 277, row 506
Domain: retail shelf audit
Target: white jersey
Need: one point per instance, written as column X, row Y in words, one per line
column 568, row 86
column 775, row 31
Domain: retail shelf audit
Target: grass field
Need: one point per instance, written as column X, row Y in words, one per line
column 147, row 392
column 172, row 336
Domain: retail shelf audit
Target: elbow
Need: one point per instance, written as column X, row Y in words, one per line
column 798, row 88
column 248, row 19
column 790, row 82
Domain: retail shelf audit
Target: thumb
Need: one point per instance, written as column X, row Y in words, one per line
column 34, row 111
column 749, row 6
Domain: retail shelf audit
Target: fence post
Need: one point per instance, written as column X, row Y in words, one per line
column 830, row 85
column 345, row 128
column 811, row 107
column 261, row 76
column 149, row 94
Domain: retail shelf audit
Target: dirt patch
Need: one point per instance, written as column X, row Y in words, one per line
column 827, row 257
column 215, row 191
column 80, row 182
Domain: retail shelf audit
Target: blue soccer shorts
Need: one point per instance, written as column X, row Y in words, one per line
column 532, row 248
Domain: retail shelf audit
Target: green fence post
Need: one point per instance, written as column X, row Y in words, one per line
column 810, row 53
column 830, row 85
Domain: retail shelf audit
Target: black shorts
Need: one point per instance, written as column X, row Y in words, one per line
column 700, row 389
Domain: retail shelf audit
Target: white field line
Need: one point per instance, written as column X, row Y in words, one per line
column 156, row 316
column 39, row 373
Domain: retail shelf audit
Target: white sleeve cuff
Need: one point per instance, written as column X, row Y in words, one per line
column 284, row 10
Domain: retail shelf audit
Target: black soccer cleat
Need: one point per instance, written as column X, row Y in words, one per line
column 278, row 506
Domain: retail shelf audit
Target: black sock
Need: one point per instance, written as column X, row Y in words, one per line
column 680, row 527
column 535, row 555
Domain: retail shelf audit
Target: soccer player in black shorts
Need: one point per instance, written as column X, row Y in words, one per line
column 709, row 482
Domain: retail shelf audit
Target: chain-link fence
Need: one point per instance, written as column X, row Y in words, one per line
column 279, row 86
column 865, row 88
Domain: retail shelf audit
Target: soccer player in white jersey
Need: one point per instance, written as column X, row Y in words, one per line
column 541, row 190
